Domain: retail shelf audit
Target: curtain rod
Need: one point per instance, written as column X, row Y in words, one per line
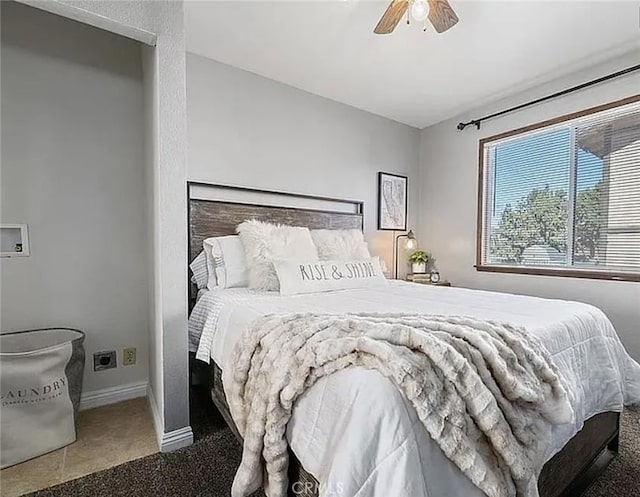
column 476, row 122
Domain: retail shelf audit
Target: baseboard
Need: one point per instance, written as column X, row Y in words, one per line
column 107, row 396
column 172, row 440
column 176, row 439
column 158, row 421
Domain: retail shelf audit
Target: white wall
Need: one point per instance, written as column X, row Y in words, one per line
column 449, row 175
column 156, row 376
column 247, row 130
column 160, row 23
column 73, row 169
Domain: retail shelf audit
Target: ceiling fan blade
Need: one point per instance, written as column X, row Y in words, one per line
column 442, row 15
column 391, row 17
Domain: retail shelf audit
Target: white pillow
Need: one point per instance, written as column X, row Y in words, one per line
column 200, row 271
column 325, row 276
column 266, row 242
column 340, row 245
column 226, row 262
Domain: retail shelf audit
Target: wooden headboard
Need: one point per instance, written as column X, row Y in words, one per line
column 216, row 210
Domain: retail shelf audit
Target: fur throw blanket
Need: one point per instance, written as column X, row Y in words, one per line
column 486, row 392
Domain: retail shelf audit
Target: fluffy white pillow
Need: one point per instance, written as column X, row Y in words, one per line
column 301, row 276
column 200, row 271
column 340, row 245
column 266, row 242
column 226, row 262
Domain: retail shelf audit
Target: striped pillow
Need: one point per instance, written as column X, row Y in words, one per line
column 226, row 262
column 200, row 271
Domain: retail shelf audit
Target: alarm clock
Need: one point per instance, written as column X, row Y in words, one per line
column 434, row 277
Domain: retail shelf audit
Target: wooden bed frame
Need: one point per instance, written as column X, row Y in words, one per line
column 567, row 474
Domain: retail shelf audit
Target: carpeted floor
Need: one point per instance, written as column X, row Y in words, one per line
column 207, row 467
column 622, row 476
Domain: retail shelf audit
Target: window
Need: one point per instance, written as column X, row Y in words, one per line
column 563, row 196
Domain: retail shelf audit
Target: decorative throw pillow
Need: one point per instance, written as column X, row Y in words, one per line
column 302, row 276
column 226, row 261
column 200, row 272
column 266, row 242
column 340, row 245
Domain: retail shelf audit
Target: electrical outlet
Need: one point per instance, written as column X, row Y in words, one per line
column 104, row 360
column 129, row 356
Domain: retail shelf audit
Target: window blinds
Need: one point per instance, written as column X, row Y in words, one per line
column 565, row 196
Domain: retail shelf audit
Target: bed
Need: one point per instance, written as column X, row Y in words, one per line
column 579, row 336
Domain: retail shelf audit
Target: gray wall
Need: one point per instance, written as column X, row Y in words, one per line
column 73, row 169
column 247, row 130
column 449, row 175
column 161, row 24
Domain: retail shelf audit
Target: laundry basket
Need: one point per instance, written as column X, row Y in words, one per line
column 41, row 381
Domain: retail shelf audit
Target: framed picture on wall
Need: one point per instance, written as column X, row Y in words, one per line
column 392, row 202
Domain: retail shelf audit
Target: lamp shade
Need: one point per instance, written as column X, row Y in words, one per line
column 412, row 243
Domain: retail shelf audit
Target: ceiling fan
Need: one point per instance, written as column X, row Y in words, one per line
column 439, row 12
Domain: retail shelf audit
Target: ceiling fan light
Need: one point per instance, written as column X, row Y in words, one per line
column 419, row 10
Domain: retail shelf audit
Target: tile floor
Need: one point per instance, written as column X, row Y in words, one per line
column 107, row 436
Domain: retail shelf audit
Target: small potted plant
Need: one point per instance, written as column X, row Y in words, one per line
column 419, row 260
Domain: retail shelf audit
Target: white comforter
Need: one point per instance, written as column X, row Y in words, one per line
column 354, row 432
